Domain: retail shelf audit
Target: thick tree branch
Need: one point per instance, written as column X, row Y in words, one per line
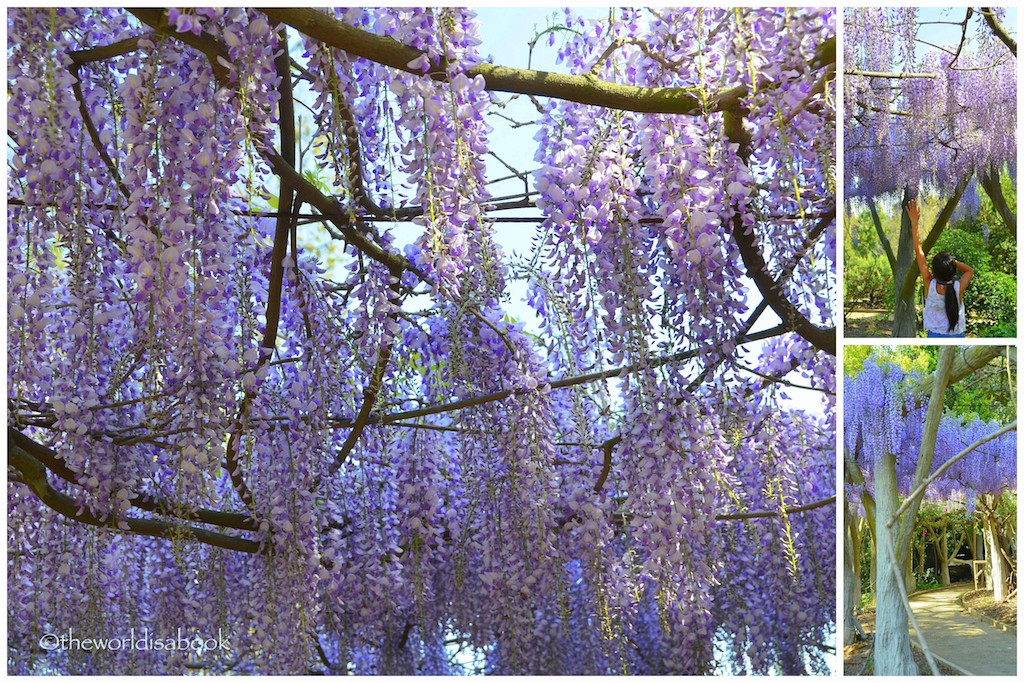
column 753, row 261
column 941, row 221
column 779, row 513
column 583, row 89
column 994, row 190
column 882, row 237
column 33, row 474
column 216, row 53
column 997, row 29
column 283, row 225
column 757, row 270
column 104, row 52
column 143, row 501
column 755, row 315
column 940, row 379
column 275, row 287
column 968, row 361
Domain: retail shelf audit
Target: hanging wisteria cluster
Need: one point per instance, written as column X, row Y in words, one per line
column 215, row 432
column 884, row 416
column 918, row 114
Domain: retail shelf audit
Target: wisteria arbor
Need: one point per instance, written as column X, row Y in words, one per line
column 372, row 467
column 918, row 114
column 900, row 448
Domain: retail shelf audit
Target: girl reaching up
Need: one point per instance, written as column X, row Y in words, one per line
column 944, row 295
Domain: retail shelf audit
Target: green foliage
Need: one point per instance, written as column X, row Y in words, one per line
column 1006, row 507
column 992, row 299
column 1001, row 331
column 964, row 245
column 920, row 359
column 927, row 579
column 868, row 280
column 868, row 277
column 854, row 357
column 866, row 549
column 987, row 395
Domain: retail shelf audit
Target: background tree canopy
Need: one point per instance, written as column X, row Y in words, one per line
column 354, row 458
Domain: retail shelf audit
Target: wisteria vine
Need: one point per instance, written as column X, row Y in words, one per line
column 216, row 425
column 884, row 415
column 919, row 113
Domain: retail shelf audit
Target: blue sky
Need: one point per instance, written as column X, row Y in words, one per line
column 948, row 35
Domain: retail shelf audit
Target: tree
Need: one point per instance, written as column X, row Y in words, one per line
column 895, row 432
column 373, row 467
column 942, row 118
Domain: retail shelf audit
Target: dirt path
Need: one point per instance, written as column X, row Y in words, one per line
column 961, row 640
column 868, row 323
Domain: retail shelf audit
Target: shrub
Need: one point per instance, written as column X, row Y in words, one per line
column 991, row 299
column 965, row 246
column 868, row 280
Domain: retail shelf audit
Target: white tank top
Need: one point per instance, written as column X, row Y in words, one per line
column 935, row 318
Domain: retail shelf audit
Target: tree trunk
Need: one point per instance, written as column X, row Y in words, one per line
column 874, row 562
column 941, row 557
column 893, row 656
column 994, row 190
column 996, row 569
column 853, row 474
column 852, row 629
column 904, row 322
column 909, row 581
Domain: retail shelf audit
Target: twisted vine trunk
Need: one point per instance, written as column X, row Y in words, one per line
column 904, row 323
column 893, row 656
column 852, row 629
column 990, row 183
column 996, row 567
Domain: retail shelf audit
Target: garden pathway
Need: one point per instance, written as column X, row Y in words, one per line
column 959, row 639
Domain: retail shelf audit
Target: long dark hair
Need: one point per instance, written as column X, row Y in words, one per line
column 943, row 269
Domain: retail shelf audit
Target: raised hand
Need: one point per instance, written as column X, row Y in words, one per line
column 914, row 211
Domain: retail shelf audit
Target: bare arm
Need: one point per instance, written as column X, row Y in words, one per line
column 914, row 213
column 965, row 278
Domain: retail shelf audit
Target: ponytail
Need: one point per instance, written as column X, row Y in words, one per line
column 952, row 305
column 944, row 269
